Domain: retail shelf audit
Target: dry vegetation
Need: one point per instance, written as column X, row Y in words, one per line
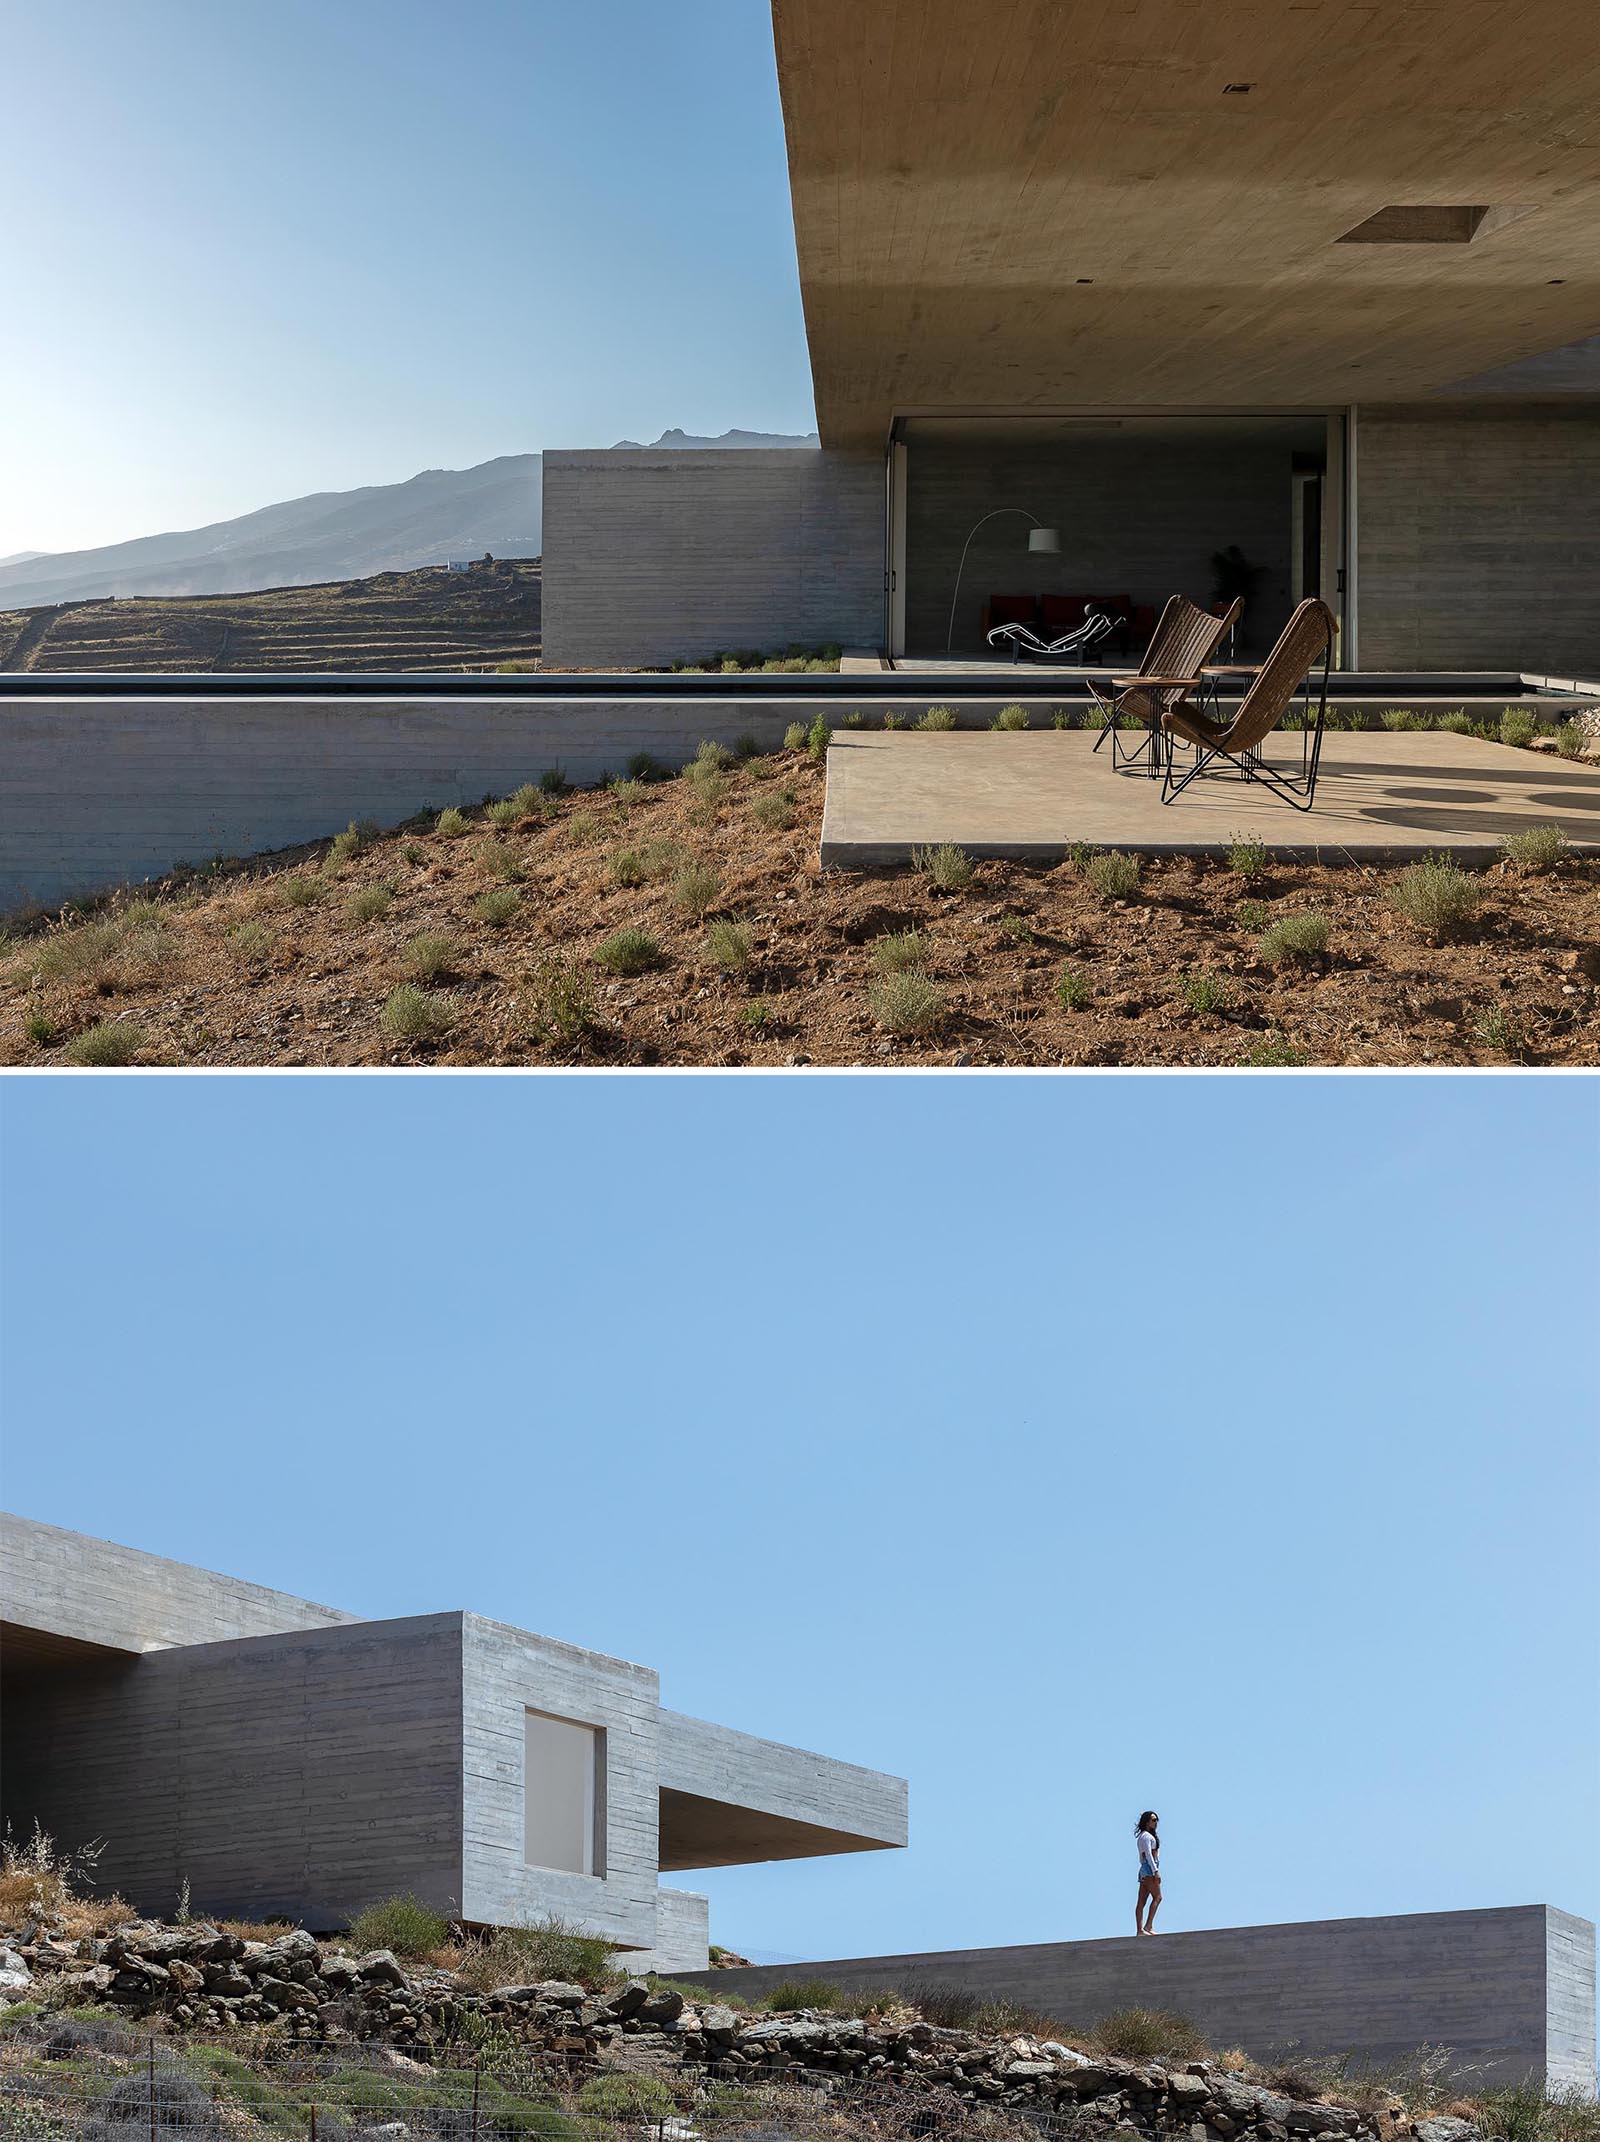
column 685, row 921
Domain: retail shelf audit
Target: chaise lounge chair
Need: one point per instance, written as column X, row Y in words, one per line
column 1073, row 645
column 1185, row 639
column 1303, row 642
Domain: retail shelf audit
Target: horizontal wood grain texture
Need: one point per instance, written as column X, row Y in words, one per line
column 305, row 1774
column 730, row 1799
column 1478, row 537
column 1473, row 1982
column 1060, row 202
column 1137, row 517
column 70, row 1585
column 1569, row 2000
column 655, row 558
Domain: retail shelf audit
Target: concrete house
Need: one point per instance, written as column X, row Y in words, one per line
column 282, row 1757
column 1316, row 281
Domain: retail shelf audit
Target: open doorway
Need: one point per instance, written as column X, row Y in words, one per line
column 1141, row 507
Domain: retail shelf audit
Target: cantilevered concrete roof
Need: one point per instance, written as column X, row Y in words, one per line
column 1059, row 203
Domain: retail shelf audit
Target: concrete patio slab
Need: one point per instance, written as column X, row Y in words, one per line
column 1030, row 795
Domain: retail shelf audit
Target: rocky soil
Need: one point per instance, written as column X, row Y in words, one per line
column 505, row 926
column 201, row 1977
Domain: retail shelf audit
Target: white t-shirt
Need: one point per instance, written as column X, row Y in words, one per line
column 1149, row 1846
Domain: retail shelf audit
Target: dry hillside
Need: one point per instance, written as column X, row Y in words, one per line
column 425, row 620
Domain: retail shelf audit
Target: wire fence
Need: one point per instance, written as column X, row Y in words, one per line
column 72, row 2079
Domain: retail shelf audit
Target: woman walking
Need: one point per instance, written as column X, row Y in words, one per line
column 1149, row 1842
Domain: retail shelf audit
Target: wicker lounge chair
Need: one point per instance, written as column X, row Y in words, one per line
column 1185, row 639
column 1306, row 640
column 1074, row 645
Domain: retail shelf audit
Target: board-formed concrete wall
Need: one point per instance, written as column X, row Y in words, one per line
column 508, row 1672
column 305, row 1774
column 1509, row 1993
column 651, row 558
column 93, row 1592
column 1138, row 516
column 1478, row 538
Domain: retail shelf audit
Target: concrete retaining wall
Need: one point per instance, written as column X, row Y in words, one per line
column 651, row 558
column 1478, row 538
column 1510, row 1993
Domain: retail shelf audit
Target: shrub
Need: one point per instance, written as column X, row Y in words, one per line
column 1072, row 991
column 629, row 952
column 1016, row 929
column 1010, row 718
column 629, row 793
column 451, row 823
column 553, row 782
column 645, row 766
column 1498, row 1028
column 499, row 861
column 899, row 951
column 636, row 2099
column 1402, row 718
column 625, row 867
column 710, row 789
column 401, row 1923
column 1572, row 739
column 412, row 1014
column 529, row 801
column 1537, row 848
column 40, row 1029
column 1457, row 723
column 37, row 1879
column 1063, row 718
column 343, row 845
column 855, row 720
column 1148, row 2034
column 1273, row 1052
column 1080, row 854
column 729, row 946
column 1253, row 915
column 558, row 1004
column 695, row 888
column 745, row 746
column 948, row 867
column 1246, row 858
column 891, row 720
column 1517, row 726
column 104, row 1047
column 363, row 906
column 300, row 891
column 253, row 938
column 803, row 1993
column 907, row 1003
column 497, row 908
column 412, row 851
column 818, row 738
column 1114, row 876
column 1436, row 898
column 774, row 809
column 757, row 1014
column 504, row 814
column 794, row 737
column 429, row 955
column 146, row 2100
column 717, row 757
column 1297, row 936
column 1204, row 992
column 548, row 1948
column 937, row 718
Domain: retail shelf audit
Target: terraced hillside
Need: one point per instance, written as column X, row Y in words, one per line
column 425, row 620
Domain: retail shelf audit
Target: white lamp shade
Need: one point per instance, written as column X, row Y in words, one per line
column 1044, row 539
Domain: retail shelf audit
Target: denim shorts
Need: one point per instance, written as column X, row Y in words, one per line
column 1149, row 1874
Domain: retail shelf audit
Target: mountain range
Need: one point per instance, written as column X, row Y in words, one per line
column 330, row 535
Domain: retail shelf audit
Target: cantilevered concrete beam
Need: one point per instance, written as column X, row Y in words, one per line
column 730, row 1800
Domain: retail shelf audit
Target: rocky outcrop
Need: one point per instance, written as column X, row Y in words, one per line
column 199, row 1977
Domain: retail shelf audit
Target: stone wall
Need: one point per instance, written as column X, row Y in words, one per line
column 651, row 558
column 1478, row 538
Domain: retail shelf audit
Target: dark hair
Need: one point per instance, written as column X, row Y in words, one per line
column 1147, row 1821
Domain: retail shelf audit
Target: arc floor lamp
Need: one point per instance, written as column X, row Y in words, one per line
column 1040, row 538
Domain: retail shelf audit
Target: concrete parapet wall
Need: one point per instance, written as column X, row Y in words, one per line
column 660, row 557
column 1509, row 1993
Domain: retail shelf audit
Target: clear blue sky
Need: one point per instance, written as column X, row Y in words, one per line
column 1068, row 1446
column 279, row 246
